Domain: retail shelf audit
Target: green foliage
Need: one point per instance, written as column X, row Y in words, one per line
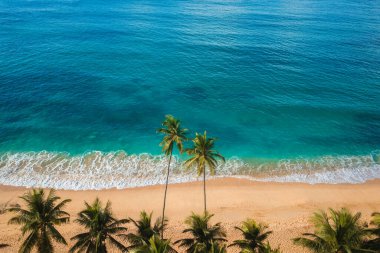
column 376, row 219
column 101, row 227
column 217, row 247
column 155, row 245
column 268, row 249
column 203, row 236
column 145, row 230
column 203, row 154
column 254, row 236
column 341, row 232
column 173, row 135
column 38, row 220
column 374, row 242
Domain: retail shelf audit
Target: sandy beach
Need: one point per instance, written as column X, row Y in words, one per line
column 285, row 207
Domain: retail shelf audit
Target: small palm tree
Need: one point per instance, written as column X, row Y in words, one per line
column 101, row 226
column 174, row 135
column 203, row 156
column 341, row 232
column 39, row 219
column 145, row 230
column 374, row 242
column 155, row 245
column 254, row 236
column 203, row 235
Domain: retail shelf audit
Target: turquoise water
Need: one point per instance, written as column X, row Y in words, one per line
column 275, row 80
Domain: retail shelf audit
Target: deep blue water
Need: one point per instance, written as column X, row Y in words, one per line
column 270, row 79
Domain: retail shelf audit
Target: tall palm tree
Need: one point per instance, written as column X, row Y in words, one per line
column 144, row 230
column 341, row 232
column 202, row 156
column 374, row 242
column 174, row 135
column 203, row 235
column 39, row 219
column 155, row 245
column 100, row 226
column 254, row 236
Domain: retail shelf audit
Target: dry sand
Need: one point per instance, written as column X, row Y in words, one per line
column 285, row 207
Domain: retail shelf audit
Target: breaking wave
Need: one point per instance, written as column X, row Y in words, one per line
column 99, row 170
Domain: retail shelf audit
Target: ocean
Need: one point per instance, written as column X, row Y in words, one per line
column 291, row 89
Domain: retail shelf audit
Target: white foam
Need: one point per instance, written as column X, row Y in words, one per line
column 98, row 170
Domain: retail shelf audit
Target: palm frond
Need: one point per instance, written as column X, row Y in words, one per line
column 254, row 235
column 38, row 218
column 202, row 234
column 101, row 226
column 338, row 231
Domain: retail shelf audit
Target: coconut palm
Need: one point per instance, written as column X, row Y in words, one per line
column 144, row 230
column 203, row 235
column 341, row 232
column 202, row 156
column 374, row 242
column 101, row 227
column 38, row 220
column 155, row 245
column 254, row 236
column 174, row 136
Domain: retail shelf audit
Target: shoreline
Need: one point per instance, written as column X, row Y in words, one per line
column 215, row 178
column 102, row 170
column 285, row 207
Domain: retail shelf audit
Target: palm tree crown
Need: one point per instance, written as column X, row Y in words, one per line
column 203, row 155
column 155, row 245
column 38, row 220
column 144, row 230
column 173, row 134
column 341, row 232
column 203, row 235
column 254, row 236
column 100, row 227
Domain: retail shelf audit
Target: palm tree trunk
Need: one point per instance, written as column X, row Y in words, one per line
column 204, row 188
column 166, row 189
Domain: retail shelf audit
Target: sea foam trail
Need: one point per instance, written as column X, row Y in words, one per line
column 98, row 170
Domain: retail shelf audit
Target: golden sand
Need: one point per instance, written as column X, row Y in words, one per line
column 285, row 207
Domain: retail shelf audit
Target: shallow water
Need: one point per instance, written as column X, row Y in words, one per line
column 280, row 82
